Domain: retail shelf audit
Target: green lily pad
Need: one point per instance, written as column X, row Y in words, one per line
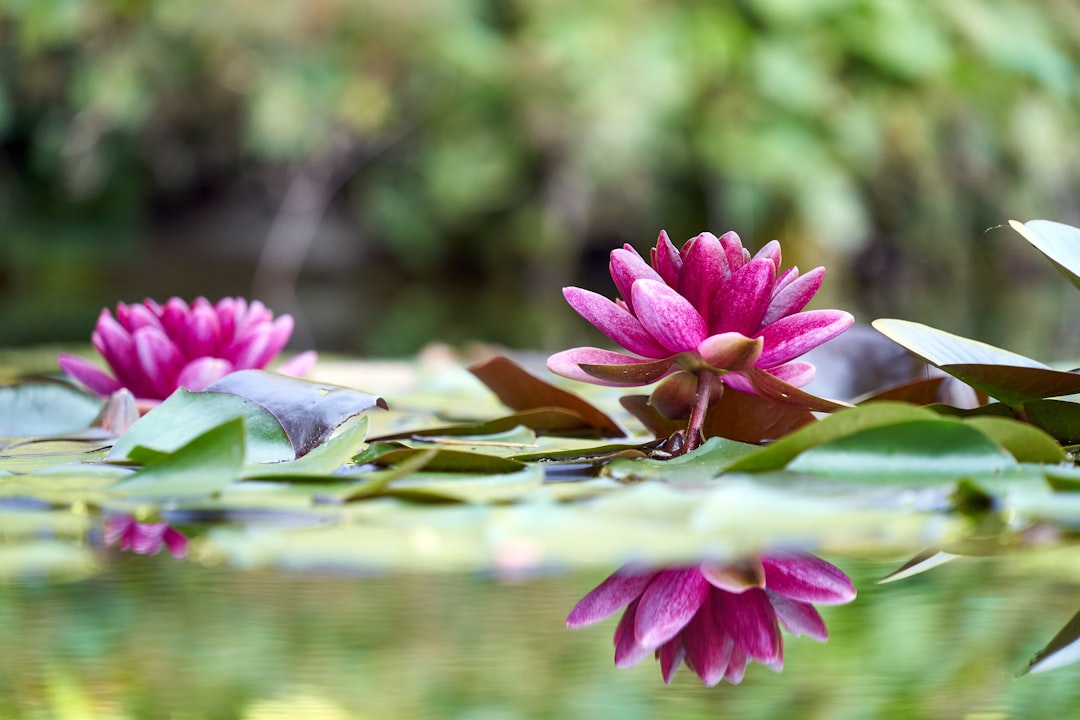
column 1024, row 442
column 1059, row 242
column 320, row 463
column 44, row 407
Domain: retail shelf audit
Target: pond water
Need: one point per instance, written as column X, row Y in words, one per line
column 155, row 637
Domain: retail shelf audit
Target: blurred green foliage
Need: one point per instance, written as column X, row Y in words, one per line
column 395, row 173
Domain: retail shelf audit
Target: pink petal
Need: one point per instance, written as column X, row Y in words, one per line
column 771, row 251
column 568, row 364
column 730, row 351
column 794, row 296
column 671, row 655
column 708, row 648
column 786, row 278
column 159, row 360
column 230, row 311
column 741, row 302
column 795, row 373
column 737, row 255
column 790, row 337
column 607, row 598
column 798, row 618
column 147, row 538
column 176, row 542
column 201, row 335
column 174, row 317
column 118, row 348
column 668, row 316
column 93, row 377
column 200, row 373
column 626, row 266
column 704, row 270
column 666, row 260
column 667, row 604
column 140, row 316
column 737, row 664
column 628, row 651
column 299, row 365
column 245, row 351
column 751, row 622
column 808, row 579
column 615, row 322
column 116, row 526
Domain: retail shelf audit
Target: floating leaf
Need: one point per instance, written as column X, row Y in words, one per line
column 694, row 468
column 520, row 390
column 203, row 466
column 308, row 411
column 443, row 460
column 929, row 449
column 320, row 463
column 1007, row 376
column 1059, row 242
column 1062, row 650
column 1024, row 442
column 44, row 407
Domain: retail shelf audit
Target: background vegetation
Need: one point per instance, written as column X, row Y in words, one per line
column 394, row 173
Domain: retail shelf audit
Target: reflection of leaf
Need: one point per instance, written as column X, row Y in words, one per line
column 44, row 408
column 521, row 390
column 308, row 411
column 1001, row 374
column 203, row 466
column 1059, row 242
column 185, row 415
column 1062, row 650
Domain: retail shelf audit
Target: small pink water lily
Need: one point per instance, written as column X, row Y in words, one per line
column 154, row 349
column 715, row 617
column 710, row 310
column 144, row 538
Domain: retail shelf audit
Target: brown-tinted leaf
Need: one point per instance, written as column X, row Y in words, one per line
column 544, row 421
column 923, row 391
column 520, row 390
column 772, row 387
column 1014, row 384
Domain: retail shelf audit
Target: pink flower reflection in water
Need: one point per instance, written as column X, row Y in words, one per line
column 144, row 538
column 715, row 617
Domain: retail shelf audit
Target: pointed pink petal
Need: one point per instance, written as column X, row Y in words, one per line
column 790, row 337
column 244, row 352
column 666, row 260
column 299, row 365
column 116, row 526
column 704, row 270
column 140, row 316
column 708, row 649
column 667, row 604
column 118, row 348
column 147, row 538
column 737, row 664
column 741, row 302
column 628, row 651
column 607, row 598
column 174, row 317
column 229, row 311
column 626, row 266
column 771, row 251
column 796, row 372
column 668, row 316
column 807, row 578
column 786, row 278
column 176, row 542
column 794, row 296
column 200, row 373
column 568, row 364
column 615, row 322
column 730, row 351
column 201, row 335
column 671, row 655
column 798, row 618
column 751, row 622
column 159, row 360
column 93, row 377
column 737, row 255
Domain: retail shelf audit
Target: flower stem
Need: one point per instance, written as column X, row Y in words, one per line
column 697, row 416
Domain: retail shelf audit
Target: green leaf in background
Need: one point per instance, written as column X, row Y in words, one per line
column 1025, row 442
column 184, row 415
column 307, row 411
column 930, row 449
column 1059, row 242
column 44, row 407
column 1007, row 376
column 203, row 466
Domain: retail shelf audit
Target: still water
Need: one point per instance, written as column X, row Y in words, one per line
column 155, row 637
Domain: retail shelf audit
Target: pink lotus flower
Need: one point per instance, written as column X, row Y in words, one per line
column 144, row 538
column 154, row 349
column 709, row 307
column 715, row 617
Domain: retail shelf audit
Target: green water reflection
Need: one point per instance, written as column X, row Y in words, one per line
column 153, row 637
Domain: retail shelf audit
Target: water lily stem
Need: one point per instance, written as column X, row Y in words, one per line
column 697, row 416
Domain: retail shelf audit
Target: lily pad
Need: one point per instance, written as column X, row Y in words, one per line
column 307, row 411
column 44, row 407
column 1059, row 242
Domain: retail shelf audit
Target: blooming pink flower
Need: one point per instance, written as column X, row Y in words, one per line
column 715, row 617
column 144, row 538
column 154, row 349
column 709, row 307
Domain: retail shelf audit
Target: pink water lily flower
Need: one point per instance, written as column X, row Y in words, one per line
column 154, row 349
column 710, row 306
column 144, row 538
column 715, row 617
